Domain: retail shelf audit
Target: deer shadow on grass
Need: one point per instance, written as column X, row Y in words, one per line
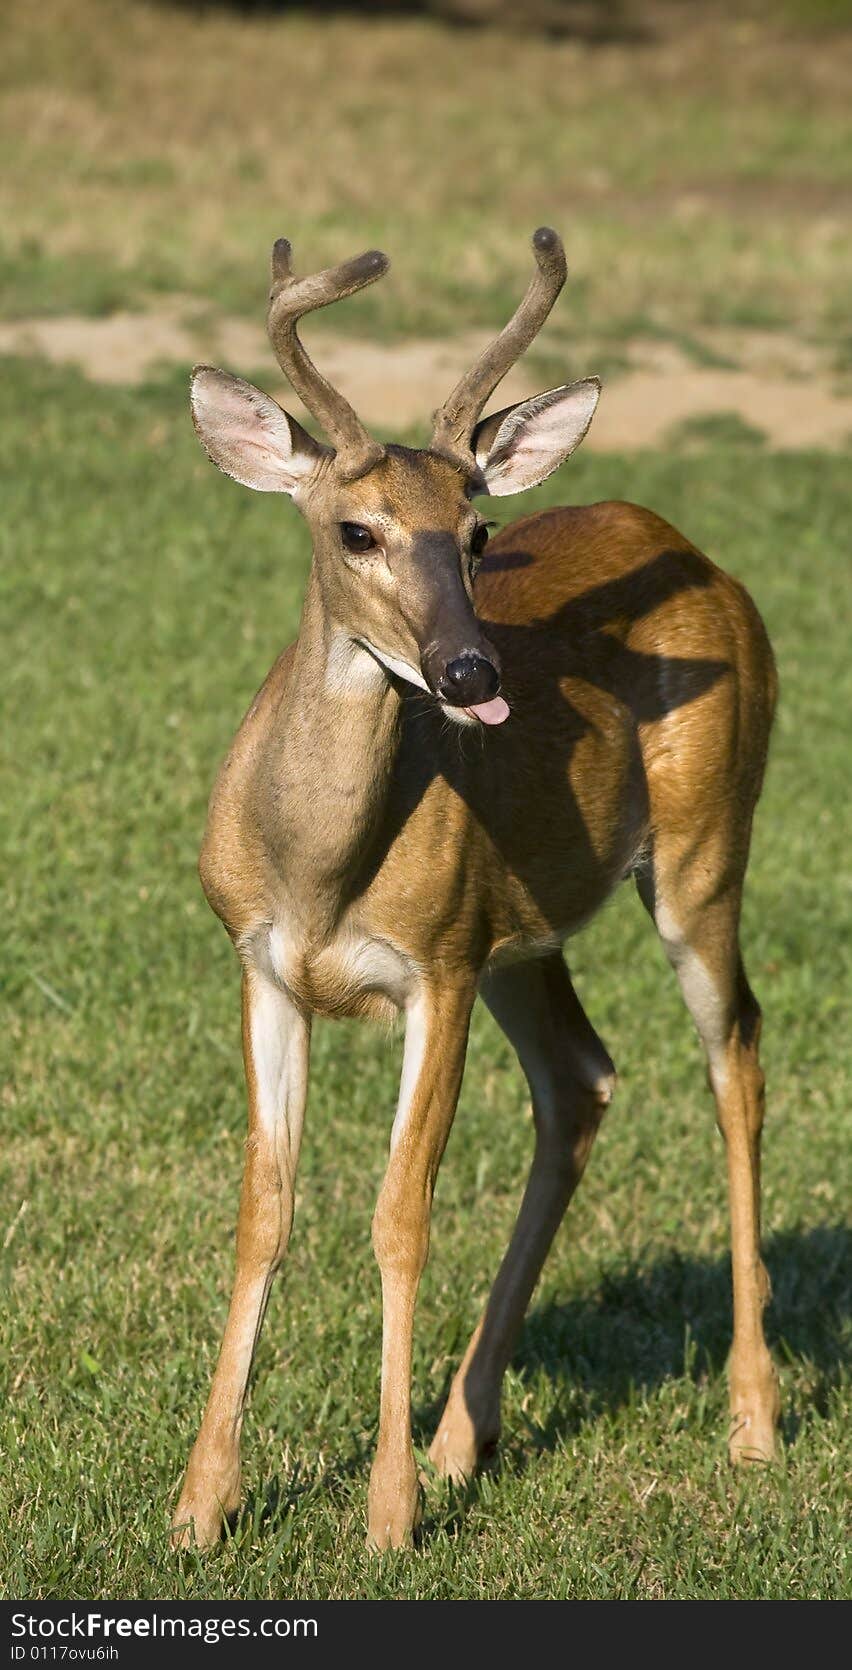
column 629, row 1335
column 643, row 1326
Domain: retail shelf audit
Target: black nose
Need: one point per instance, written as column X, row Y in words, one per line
column 468, row 680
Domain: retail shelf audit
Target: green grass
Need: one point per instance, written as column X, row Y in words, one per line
column 144, row 598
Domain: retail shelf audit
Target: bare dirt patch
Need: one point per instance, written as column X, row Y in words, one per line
column 780, row 386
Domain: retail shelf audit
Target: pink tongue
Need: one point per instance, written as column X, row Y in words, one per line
column 491, row 713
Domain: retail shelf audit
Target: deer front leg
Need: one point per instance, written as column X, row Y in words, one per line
column 276, row 1038
column 435, row 1045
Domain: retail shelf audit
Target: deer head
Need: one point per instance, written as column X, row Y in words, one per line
column 396, row 536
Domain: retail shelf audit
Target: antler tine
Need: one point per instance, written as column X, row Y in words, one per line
column 456, row 418
column 289, row 299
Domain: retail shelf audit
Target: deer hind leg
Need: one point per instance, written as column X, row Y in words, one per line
column 571, row 1078
column 435, row 1045
column 276, row 1040
column 699, row 929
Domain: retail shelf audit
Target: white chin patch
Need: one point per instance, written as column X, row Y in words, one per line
column 459, row 715
column 402, row 669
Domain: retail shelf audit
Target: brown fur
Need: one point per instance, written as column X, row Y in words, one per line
column 637, row 673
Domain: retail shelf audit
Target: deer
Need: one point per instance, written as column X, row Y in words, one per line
column 469, row 745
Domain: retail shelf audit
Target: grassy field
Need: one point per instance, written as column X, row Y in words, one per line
column 700, row 175
column 148, row 156
column 144, row 597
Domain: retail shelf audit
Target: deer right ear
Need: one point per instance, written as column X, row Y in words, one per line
column 249, row 436
column 523, row 445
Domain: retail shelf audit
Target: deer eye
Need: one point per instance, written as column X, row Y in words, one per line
column 355, row 537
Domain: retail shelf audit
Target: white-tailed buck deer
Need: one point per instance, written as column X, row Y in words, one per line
column 445, row 775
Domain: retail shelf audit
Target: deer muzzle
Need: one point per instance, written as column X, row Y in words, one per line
column 468, row 679
column 459, row 664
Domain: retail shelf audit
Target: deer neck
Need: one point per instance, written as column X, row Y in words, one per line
column 333, row 754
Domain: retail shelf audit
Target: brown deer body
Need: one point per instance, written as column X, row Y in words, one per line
column 390, row 833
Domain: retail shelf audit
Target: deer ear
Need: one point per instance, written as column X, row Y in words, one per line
column 249, row 436
column 524, row 444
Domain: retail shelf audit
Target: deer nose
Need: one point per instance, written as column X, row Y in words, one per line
column 469, row 680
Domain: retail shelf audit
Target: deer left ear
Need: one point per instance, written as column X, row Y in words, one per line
column 522, row 445
column 249, row 436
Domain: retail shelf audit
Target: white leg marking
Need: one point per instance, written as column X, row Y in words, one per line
column 279, row 1053
column 416, row 1029
column 700, row 992
column 279, row 1057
